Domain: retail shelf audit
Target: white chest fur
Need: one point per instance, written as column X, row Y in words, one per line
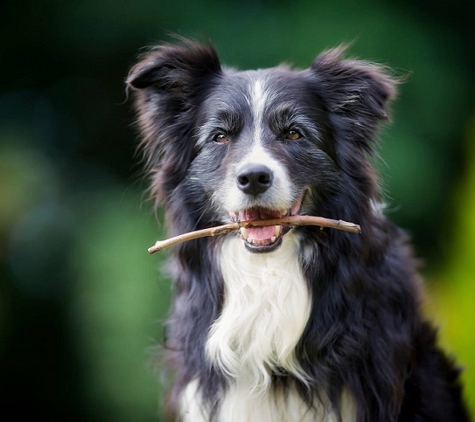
column 266, row 307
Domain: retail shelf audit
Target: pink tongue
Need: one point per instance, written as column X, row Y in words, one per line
column 261, row 233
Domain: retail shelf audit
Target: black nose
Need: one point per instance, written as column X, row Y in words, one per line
column 254, row 178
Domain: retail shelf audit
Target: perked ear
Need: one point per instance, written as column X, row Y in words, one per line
column 357, row 93
column 175, row 67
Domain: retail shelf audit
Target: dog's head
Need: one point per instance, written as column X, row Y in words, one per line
column 226, row 145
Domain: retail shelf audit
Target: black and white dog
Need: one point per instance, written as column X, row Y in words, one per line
column 285, row 324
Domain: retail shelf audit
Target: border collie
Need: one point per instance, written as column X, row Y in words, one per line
column 285, row 324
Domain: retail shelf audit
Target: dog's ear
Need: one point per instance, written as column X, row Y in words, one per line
column 356, row 93
column 169, row 83
column 175, row 69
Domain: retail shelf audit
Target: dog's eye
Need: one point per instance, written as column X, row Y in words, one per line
column 293, row 134
column 221, row 138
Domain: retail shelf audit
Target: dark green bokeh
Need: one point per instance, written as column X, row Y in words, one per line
column 80, row 300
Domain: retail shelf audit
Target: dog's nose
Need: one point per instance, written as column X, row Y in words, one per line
column 254, row 178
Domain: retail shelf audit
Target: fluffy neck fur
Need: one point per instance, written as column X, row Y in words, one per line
column 266, row 308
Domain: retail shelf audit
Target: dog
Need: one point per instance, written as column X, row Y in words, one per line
column 278, row 323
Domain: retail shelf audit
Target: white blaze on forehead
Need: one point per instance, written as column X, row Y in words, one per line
column 258, row 105
column 258, row 102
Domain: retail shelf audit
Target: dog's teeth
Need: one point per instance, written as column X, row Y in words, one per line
column 244, row 233
column 273, row 239
column 277, row 231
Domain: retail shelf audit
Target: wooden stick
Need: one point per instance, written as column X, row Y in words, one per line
column 296, row 220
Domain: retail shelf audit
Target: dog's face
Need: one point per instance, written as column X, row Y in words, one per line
column 255, row 144
column 262, row 150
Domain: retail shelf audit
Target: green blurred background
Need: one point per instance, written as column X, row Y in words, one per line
column 81, row 301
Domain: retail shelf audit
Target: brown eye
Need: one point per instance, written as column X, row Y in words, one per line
column 221, row 138
column 293, row 134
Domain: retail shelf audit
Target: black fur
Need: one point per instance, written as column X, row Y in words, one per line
column 365, row 332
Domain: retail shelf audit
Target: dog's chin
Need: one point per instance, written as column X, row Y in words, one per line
column 263, row 248
column 264, row 239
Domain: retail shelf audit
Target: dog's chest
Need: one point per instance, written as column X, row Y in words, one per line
column 266, row 308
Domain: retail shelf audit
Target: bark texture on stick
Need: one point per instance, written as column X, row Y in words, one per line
column 297, row 220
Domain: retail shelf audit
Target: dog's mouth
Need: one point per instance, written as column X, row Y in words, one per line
column 269, row 238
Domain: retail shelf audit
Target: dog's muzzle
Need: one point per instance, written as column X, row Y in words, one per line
column 255, row 180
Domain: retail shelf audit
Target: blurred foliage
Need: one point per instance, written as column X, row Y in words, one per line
column 453, row 296
column 80, row 299
column 115, row 294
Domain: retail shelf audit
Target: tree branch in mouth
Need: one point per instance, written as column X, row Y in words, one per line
column 296, row 220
